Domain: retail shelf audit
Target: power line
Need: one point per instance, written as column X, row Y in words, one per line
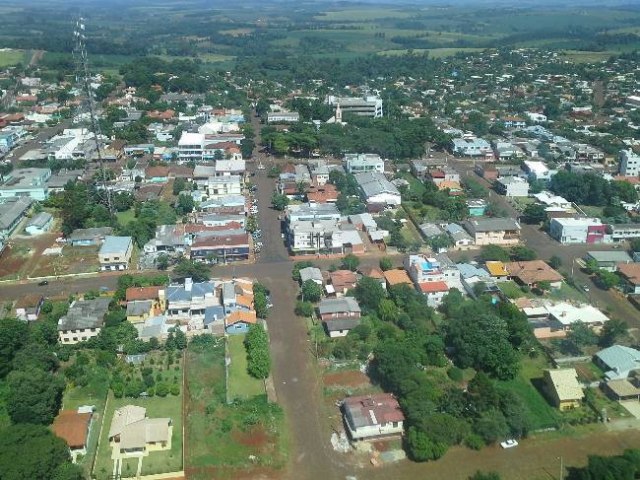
column 83, row 78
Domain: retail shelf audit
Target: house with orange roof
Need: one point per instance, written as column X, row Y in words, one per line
column 397, row 277
column 434, row 291
column 145, row 302
column 376, row 274
column 342, row 280
column 326, row 193
column 239, row 321
column 73, row 426
column 497, row 269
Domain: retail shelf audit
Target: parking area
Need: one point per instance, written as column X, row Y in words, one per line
column 632, row 406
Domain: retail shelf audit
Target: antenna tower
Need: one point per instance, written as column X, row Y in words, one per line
column 83, row 79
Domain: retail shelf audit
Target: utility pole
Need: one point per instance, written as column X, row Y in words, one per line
column 83, row 79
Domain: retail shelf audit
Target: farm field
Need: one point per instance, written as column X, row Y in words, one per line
column 13, row 57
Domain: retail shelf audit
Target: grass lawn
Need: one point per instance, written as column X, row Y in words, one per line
column 125, row 217
column 222, row 436
column 568, row 293
column 241, row 384
column 157, row 407
column 591, row 211
column 12, row 57
column 415, row 185
column 511, row 289
column 541, row 413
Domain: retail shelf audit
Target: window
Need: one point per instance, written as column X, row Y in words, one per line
column 395, row 424
column 75, row 339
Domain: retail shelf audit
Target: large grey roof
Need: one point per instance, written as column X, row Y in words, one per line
column 337, row 305
column 375, row 183
column 491, row 224
column 310, row 273
column 138, row 307
column 177, row 293
column 113, row 245
column 40, row 220
column 13, row 209
column 611, row 256
column 90, row 233
column 338, row 324
column 85, row 314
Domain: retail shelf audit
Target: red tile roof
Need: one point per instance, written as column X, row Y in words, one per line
column 142, row 293
column 72, row 427
column 383, row 407
column 433, row 287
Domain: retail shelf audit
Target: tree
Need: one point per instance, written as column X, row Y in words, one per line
column 582, row 335
column 494, row 252
column 179, row 185
column 607, row 279
column 185, row 204
column 612, row 331
column 386, row 264
column 521, row 253
column 34, row 396
column 162, row 262
column 369, row 293
column 421, row 448
column 534, row 213
column 555, row 262
column 311, row 291
column 13, row 335
column 279, row 201
column 440, row 242
column 491, row 426
column 198, row 272
column 543, row 286
column 350, row 262
column 29, row 452
column 304, row 309
column 257, row 345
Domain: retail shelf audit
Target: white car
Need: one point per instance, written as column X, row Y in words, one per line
column 511, row 443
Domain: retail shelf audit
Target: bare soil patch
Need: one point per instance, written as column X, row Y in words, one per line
column 347, row 378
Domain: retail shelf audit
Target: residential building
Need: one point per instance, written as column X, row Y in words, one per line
column 221, row 249
column 435, row 292
column 458, row 235
column 471, row 275
column 630, row 274
column 312, row 211
column 366, row 106
column 629, row 163
column 86, row 237
column 363, row 162
column 186, row 304
column 340, row 327
column 26, row 182
column 496, row 231
column 437, row 268
column 341, row 281
column 496, row 269
column 371, row 417
column 83, row 320
column 470, row 146
column 512, row 187
column 239, row 321
column 577, row 230
column 531, row 273
column 538, row 170
column 376, row 189
column 133, row 434
column 550, row 200
column 618, row 361
column 332, row 308
column 622, row 389
column 73, row 426
column 311, row 273
column 430, row 230
column 283, row 117
column 624, row 231
column 319, row 172
column 608, row 260
column 115, row 253
column 39, row 224
column 219, row 187
column 191, row 147
column 397, row 277
column 12, row 211
column 554, row 320
column 563, row 388
column 314, row 236
column 139, row 311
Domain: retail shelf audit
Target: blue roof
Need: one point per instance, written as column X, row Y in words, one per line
column 468, row 270
column 178, row 293
column 115, row 244
column 212, row 314
column 621, row 360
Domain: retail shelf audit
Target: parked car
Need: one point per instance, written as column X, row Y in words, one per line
column 43, row 283
column 511, row 443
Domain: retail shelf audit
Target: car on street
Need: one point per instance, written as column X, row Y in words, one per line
column 511, row 443
column 43, row 283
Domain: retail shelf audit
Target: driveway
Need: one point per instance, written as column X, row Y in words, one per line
column 632, row 406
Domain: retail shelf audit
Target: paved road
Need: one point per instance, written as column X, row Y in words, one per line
column 546, row 247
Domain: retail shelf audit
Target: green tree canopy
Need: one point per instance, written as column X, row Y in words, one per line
column 34, row 395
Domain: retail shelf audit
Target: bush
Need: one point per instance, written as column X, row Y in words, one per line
column 162, row 390
column 474, row 442
column 456, row 374
column 175, row 390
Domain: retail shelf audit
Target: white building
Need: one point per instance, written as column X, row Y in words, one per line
column 536, row 117
column 283, row 117
column 218, row 187
column 191, row 147
column 512, row 187
column 629, row 163
column 577, row 230
column 363, row 162
column 187, row 304
column 470, row 146
column 115, row 253
column 366, row 106
column 376, row 188
column 372, row 416
column 314, row 236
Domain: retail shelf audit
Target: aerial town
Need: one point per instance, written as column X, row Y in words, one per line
column 417, row 264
